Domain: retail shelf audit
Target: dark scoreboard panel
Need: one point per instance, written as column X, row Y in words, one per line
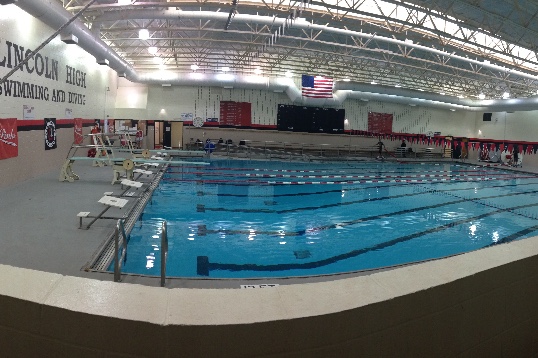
column 310, row 119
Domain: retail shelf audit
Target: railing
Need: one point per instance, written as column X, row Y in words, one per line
column 164, row 253
column 119, row 261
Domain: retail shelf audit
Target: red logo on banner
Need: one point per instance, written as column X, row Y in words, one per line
column 9, row 140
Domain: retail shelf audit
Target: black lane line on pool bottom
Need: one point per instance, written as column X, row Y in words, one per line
column 203, row 208
column 204, row 266
column 204, row 231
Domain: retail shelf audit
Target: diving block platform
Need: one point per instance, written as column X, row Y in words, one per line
column 132, row 183
column 109, row 202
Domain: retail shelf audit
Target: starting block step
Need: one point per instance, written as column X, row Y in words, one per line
column 131, row 183
column 113, row 201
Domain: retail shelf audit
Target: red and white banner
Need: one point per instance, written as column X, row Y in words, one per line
column 77, row 125
column 9, row 139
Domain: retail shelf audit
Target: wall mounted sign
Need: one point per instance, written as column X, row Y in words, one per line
column 50, row 133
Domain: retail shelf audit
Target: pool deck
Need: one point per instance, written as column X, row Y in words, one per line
column 40, row 228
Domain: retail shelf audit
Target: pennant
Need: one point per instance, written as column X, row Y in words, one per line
column 9, row 139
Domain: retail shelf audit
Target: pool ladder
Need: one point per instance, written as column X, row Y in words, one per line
column 121, row 257
column 119, row 261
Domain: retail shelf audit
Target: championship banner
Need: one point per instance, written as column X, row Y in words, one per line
column 77, row 126
column 50, row 133
column 9, row 139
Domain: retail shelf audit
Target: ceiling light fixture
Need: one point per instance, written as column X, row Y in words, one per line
column 289, row 74
column 194, row 67
column 481, row 96
column 506, row 95
column 257, row 70
column 152, row 50
column 225, row 69
column 143, row 34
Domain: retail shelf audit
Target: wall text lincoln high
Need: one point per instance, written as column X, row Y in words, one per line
column 12, row 54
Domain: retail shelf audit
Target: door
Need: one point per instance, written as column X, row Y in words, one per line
column 167, row 134
column 177, row 135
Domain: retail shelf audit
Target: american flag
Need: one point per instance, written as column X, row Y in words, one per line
column 317, row 87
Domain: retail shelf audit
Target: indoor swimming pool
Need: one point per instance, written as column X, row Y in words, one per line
column 245, row 218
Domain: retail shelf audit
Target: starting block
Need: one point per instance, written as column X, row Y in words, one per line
column 131, row 183
column 109, row 201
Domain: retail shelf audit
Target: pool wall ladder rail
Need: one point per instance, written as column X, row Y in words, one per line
column 120, row 254
column 119, row 261
column 164, row 253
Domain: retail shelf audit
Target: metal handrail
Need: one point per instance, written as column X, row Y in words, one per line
column 164, row 253
column 119, row 261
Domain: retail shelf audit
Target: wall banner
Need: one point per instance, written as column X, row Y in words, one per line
column 9, row 139
column 50, row 133
column 77, row 126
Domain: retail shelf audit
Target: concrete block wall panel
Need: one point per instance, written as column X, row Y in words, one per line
column 66, row 68
column 89, row 91
column 167, row 103
column 33, row 160
column 477, row 304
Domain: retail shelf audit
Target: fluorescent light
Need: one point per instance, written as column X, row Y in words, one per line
column 452, row 109
column 258, row 71
column 289, row 74
column 143, row 34
column 397, row 86
column 194, row 67
column 506, row 95
column 152, row 50
column 442, row 93
column 481, row 96
column 225, row 69
column 373, row 82
column 157, row 60
column 346, row 80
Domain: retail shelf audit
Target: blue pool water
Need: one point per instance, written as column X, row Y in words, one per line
column 239, row 218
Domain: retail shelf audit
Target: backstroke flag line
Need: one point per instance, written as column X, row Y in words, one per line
column 317, row 86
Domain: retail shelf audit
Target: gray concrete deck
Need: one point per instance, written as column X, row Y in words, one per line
column 40, row 230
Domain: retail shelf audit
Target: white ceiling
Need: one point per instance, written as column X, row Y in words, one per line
column 457, row 47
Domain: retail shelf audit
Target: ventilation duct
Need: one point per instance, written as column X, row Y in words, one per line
column 54, row 15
